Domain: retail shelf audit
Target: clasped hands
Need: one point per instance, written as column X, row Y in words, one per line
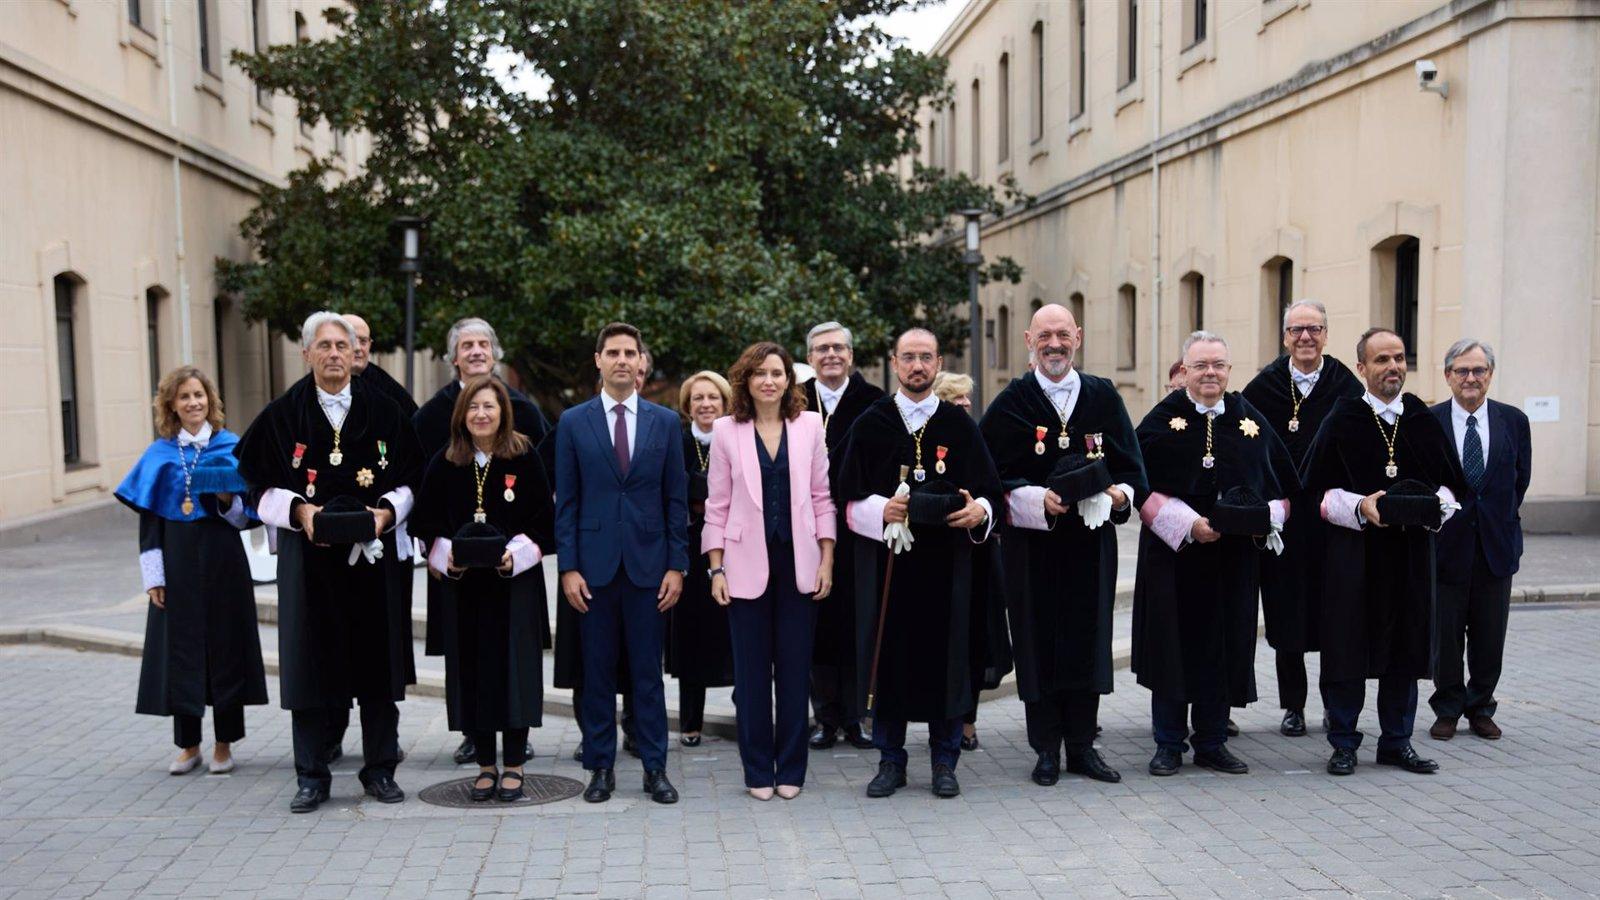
column 970, row 515
column 305, row 516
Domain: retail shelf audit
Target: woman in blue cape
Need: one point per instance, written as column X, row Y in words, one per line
column 201, row 644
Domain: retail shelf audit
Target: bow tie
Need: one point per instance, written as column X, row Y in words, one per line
column 1208, row 410
column 185, row 439
column 1303, row 378
column 1396, row 408
column 340, row 399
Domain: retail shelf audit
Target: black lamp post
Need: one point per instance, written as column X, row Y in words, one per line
column 410, row 263
column 973, row 259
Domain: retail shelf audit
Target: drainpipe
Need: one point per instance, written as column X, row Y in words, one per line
column 1157, row 359
column 185, row 338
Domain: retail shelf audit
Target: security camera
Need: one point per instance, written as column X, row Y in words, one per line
column 1426, row 70
column 1428, row 78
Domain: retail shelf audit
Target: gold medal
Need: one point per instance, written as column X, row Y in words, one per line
column 188, row 506
column 335, row 458
column 1294, row 425
column 1062, row 441
column 1208, row 461
column 1039, row 432
column 939, row 454
column 480, row 517
column 1392, row 470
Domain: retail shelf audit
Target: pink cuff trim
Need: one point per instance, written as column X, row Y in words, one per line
column 439, row 556
column 1172, row 521
column 525, row 554
column 1025, row 507
column 1341, row 507
column 1279, row 510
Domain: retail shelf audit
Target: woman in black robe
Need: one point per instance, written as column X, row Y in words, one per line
column 201, row 645
column 699, row 646
column 489, row 474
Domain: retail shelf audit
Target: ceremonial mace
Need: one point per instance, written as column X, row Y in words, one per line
column 883, row 613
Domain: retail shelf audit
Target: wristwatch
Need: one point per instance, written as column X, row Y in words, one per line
column 719, row 570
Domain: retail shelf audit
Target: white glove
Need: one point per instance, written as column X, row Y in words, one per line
column 372, row 550
column 897, row 535
column 1095, row 509
column 1447, row 507
column 1275, row 539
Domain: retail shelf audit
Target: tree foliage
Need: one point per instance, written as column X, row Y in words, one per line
column 715, row 172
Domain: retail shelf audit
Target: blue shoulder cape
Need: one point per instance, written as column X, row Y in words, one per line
column 155, row 483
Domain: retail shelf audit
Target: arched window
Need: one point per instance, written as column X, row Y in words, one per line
column 1075, row 306
column 71, row 364
column 977, row 130
column 933, row 144
column 1080, row 54
column 1127, row 327
column 1002, row 121
column 1002, row 353
column 1191, row 304
column 1036, row 102
column 155, row 307
column 1277, row 292
column 1396, row 272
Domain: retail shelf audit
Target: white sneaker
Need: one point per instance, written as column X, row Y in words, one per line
column 220, row 768
column 183, row 766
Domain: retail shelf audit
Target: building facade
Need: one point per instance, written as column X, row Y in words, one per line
column 130, row 149
column 1427, row 166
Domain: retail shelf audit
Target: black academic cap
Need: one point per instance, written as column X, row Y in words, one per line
column 478, row 545
column 1076, row 476
column 1240, row 511
column 931, row 502
column 344, row 520
column 1410, row 502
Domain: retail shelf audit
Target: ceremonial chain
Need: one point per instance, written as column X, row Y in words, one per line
column 1294, row 397
column 1062, row 441
column 700, row 454
column 919, row 473
column 1208, row 460
column 1389, row 437
column 827, row 417
column 335, row 456
column 480, row 474
column 188, row 473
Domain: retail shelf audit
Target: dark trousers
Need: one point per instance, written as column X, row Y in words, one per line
column 226, row 724
column 339, row 723
column 1169, row 720
column 514, row 742
column 1063, row 717
column 1397, row 711
column 691, row 707
column 380, row 742
column 1475, row 614
column 622, row 618
column 772, row 640
column 827, row 695
column 944, row 741
column 1292, row 685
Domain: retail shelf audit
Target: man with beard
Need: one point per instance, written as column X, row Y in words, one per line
column 924, row 660
column 840, row 394
column 1217, row 482
column 1060, row 560
column 1378, row 588
column 374, row 374
column 332, row 455
column 1295, row 393
column 472, row 349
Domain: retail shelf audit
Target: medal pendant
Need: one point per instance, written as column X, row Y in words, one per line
column 1391, row 470
column 939, row 467
column 188, row 506
column 1208, row 461
column 383, row 463
column 510, row 495
column 919, row 473
column 480, row 517
column 299, row 453
column 294, row 463
column 1062, row 441
column 1039, row 448
column 311, row 490
column 1294, row 424
column 335, row 458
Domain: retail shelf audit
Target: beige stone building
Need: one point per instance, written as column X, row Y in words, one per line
column 130, row 149
column 1295, row 149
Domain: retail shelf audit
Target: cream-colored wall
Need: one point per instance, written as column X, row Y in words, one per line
column 1298, row 130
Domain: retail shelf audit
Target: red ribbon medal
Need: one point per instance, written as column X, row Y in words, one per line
column 939, row 454
column 1039, row 431
column 311, row 482
column 299, row 453
column 511, row 482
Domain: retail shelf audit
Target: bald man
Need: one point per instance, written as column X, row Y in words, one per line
column 373, row 374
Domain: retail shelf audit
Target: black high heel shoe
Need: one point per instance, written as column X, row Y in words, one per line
column 689, row 740
column 510, row 794
column 484, row 794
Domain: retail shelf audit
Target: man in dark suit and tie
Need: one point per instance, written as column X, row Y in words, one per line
column 1481, row 546
column 622, row 540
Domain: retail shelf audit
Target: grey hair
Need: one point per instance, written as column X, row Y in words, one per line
column 1466, row 345
column 472, row 325
column 314, row 323
column 1202, row 337
column 1309, row 304
column 824, row 328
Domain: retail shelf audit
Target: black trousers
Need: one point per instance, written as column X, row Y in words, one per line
column 691, row 707
column 827, row 695
column 1292, row 685
column 1397, row 711
column 1062, row 717
column 1473, row 614
column 380, row 742
column 513, row 743
column 226, row 724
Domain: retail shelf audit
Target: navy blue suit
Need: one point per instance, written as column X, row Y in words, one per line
column 1480, row 548
column 622, row 533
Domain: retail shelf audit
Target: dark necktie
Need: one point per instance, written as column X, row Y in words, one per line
column 1472, row 454
column 619, row 438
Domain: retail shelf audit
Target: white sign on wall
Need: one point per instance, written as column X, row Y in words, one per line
column 1542, row 409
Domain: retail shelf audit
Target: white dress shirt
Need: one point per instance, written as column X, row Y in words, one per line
column 1458, row 419
column 865, row 517
column 203, row 437
column 1389, row 412
column 335, row 406
column 704, row 437
column 1063, row 394
column 1305, row 381
column 631, row 404
column 830, row 397
column 916, row 412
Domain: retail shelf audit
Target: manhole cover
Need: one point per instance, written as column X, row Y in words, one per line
column 536, row 789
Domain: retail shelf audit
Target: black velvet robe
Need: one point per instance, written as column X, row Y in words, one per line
column 1061, row 585
column 928, row 666
column 1291, row 584
column 375, row 376
column 432, row 422
column 344, row 631
column 836, row 634
column 1194, row 609
column 493, row 659
column 699, row 644
column 1378, row 584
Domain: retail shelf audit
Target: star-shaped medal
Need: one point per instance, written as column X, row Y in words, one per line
column 1178, row 423
column 364, row 477
column 1249, row 427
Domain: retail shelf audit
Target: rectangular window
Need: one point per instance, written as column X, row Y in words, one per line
column 1036, row 102
column 1080, row 54
column 152, row 336
column 933, row 144
column 1285, row 287
column 952, row 149
column 977, row 130
column 219, row 338
column 1002, row 123
column 1128, row 46
column 209, row 50
column 988, row 342
column 1127, row 327
column 67, row 362
column 1405, row 294
column 1194, row 21
column 138, row 15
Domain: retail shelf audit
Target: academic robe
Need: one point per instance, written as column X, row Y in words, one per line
column 1194, row 609
column 344, row 631
column 1378, row 584
column 204, row 648
column 1291, row 584
column 1061, row 585
column 493, row 660
column 432, row 422
column 835, row 643
column 699, row 643
column 927, row 666
column 376, row 376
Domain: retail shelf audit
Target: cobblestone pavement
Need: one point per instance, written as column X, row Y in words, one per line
column 1518, row 817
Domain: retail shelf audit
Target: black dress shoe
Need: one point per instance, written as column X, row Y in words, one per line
column 1407, row 759
column 601, row 784
column 1220, row 760
column 383, row 789
column 659, row 788
column 577, row 753
column 1089, row 762
column 889, row 779
column 825, row 736
column 629, row 746
column 486, row 793
column 1233, row 728
column 307, row 799
column 1294, row 723
column 467, row 752
column 1342, row 762
column 945, row 784
column 1166, row 762
column 527, row 750
column 856, row 738
column 510, row 787
column 1047, row 771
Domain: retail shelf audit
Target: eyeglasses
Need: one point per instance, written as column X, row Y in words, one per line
column 1313, row 330
column 1218, row 366
column 1474, row 372
column 907, row 359
column 824, row 349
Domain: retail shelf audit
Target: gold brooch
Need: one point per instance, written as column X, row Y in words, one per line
column 1178, row 423
column 364, row 477
column 1249, row 427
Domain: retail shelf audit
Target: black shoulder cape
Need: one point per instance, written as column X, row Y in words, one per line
column 375, row 376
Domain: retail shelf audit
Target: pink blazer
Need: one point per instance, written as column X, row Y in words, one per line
column 734, row 522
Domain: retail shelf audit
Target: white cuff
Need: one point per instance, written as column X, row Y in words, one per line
column 276, row 507
column 1171, row 520
column 866, row 516
column 988, row 520
column 439, row 556
column 401, row 499
column 1127, row 491
column 153, row 567
column 1342, row 508
column 1279, row 511
column 235, row 515
column 525, row 554
column 1026, row 507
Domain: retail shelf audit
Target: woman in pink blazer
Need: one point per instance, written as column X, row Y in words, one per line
column 769, row 531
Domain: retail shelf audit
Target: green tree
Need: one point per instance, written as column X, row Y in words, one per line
column 714, row 172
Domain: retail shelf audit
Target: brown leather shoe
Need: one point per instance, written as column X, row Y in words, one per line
column 1484, row 727
column 1443, row 729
